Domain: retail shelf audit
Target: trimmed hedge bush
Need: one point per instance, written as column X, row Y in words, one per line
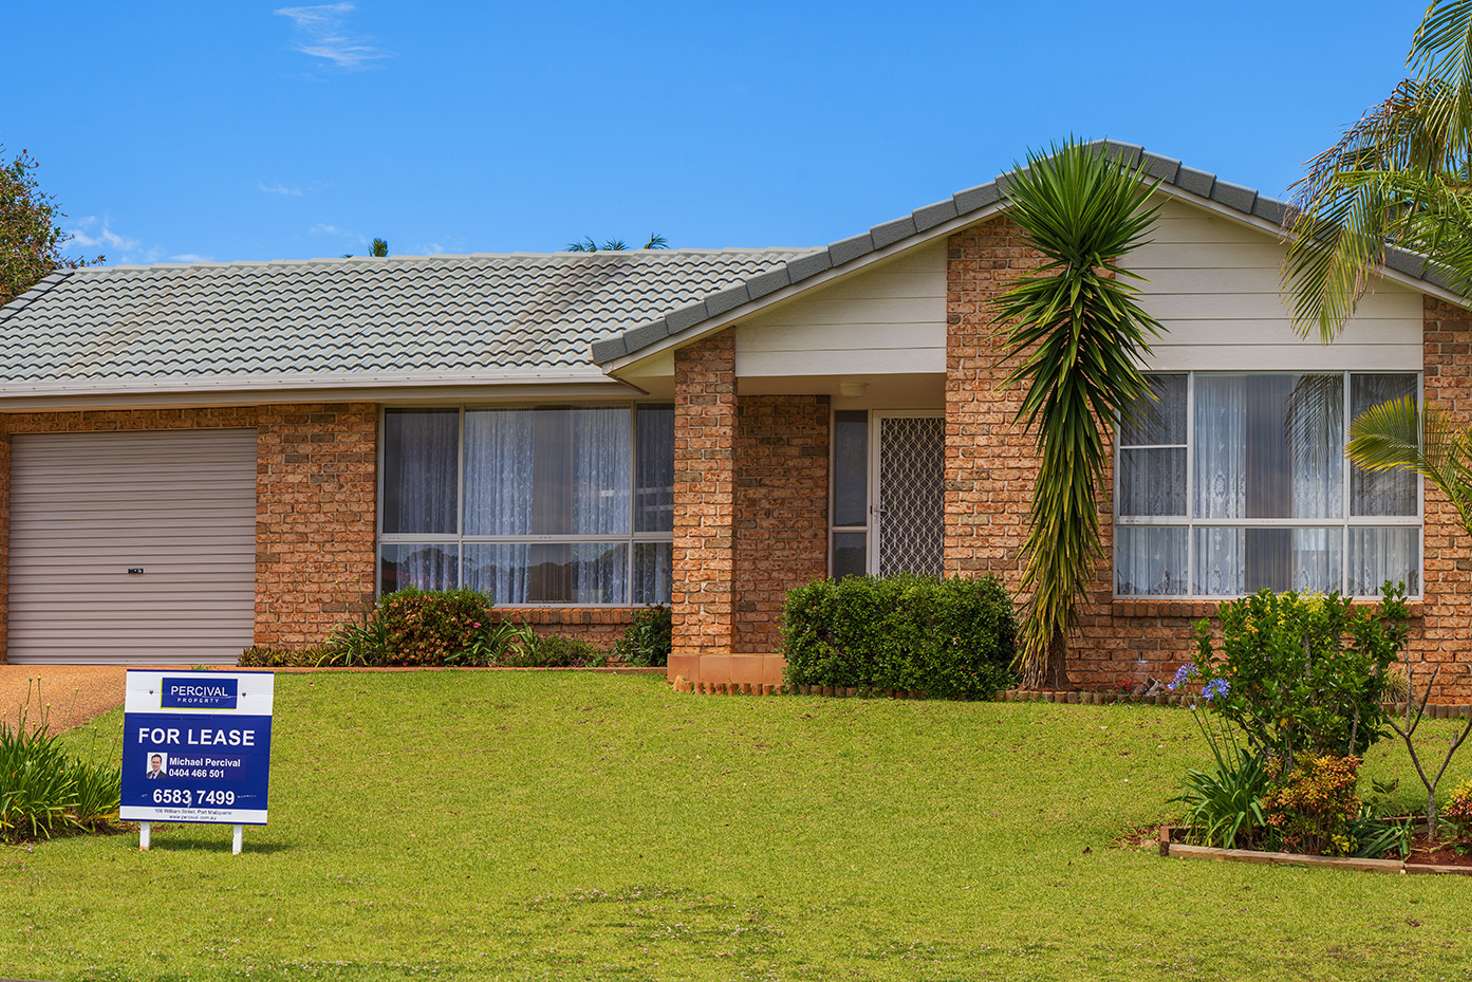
column 952, row 638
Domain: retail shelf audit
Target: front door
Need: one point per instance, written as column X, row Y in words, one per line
column 908, row 487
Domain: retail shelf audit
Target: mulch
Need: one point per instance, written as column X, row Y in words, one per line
column 69, row 695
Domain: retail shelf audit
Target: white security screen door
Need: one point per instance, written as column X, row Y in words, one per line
column 908, row 493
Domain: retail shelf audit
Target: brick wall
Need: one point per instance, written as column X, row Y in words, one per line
column 315, row 503
column 705, row 483
column 991, row 466
column 316, row 519
column 1445, row 638
column 781, row 510
column 599, row 626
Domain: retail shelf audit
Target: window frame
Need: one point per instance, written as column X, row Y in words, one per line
column 1346, row 521
column 836, row 530
column 460, row 540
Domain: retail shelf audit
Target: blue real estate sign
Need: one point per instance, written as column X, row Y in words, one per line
column 197, row 747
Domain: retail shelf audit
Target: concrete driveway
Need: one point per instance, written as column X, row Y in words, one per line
column 74, row 693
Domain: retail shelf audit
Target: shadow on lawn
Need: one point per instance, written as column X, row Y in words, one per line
column 199, row 842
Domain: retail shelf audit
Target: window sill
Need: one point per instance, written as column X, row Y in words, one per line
column 1196, row 609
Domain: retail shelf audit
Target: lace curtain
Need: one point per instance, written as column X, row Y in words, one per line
column 1266, row 446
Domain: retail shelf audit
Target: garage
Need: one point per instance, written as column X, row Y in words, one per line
column 132, row 547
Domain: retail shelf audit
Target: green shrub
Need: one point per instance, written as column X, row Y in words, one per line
column 554, row 651
column 1302, row 674
column 648, row 639
column 418, row 627
column 269, row 656
column 45, row 791
column 952, row 638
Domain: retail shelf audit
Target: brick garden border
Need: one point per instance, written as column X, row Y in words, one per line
column 1082, row 697
column 1180, row 850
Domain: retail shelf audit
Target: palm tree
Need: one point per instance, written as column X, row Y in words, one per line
column 1079, row 338
column 1400, row 176
column 655, row 241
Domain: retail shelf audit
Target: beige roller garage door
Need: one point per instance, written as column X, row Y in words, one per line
column 132, row 547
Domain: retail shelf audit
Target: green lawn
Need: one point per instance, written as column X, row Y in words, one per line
column 580, row 825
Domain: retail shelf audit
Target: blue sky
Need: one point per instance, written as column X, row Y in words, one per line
column 243, row 130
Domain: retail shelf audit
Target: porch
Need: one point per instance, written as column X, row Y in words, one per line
column 781, row 480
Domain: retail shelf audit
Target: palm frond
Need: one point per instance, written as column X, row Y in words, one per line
column 585, row 245
column 1399, row 175
column 1396, row 435
column 656, row 241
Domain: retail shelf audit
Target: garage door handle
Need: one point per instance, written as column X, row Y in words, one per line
column 135, row 570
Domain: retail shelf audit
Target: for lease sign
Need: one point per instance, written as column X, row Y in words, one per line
column 197, row 746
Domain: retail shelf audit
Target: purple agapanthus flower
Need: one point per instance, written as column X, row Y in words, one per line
column 1215, row 688
column 1183, row 675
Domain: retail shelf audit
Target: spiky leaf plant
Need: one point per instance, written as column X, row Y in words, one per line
column 1077, row 336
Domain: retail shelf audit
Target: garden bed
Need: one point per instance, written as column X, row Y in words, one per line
column 1424, row 858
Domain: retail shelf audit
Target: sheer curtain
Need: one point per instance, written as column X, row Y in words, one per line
column 600, row 479
column 499, row 455
column 1381, row 492
column 419, row 470
column 1220, row 452
column 1314, row 431
column 1150, row 560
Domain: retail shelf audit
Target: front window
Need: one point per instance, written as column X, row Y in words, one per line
column 1231, row 483
column 559, row 505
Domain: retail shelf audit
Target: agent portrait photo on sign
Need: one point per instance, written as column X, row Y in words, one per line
column 158, row 766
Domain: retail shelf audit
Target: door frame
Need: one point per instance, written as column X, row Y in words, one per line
column 876, row 517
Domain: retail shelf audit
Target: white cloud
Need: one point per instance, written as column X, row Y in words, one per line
column 285, row 190
column 90, row 232
column 190, row 257
column 321, row 31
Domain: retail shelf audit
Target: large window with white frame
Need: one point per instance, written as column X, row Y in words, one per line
column 546, row 505
column 1231, row 482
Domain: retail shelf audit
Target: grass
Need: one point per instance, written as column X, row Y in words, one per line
column 572, row 825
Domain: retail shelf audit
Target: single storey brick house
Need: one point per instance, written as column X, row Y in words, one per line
column 196, row 458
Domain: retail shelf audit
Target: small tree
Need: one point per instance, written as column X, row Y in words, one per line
column 379, row 248
column 1407, row 733
column 1078, row 337
column 30, row 238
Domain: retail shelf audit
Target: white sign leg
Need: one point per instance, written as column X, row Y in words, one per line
column 237, row 840
column 145, row 831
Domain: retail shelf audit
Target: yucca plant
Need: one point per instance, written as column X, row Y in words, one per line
column 1077, row 337
column 1400, row 176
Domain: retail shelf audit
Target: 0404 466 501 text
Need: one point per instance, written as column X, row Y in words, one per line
column 189, row 797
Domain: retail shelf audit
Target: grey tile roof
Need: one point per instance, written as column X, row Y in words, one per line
column 473, row 318
column 961, row 205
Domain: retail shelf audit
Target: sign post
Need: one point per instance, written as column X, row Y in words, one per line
column 196, row 748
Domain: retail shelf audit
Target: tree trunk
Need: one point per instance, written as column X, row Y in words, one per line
column 1052, row 673
column 1431, row 815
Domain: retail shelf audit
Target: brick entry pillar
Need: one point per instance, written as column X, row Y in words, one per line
column 702, row 591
